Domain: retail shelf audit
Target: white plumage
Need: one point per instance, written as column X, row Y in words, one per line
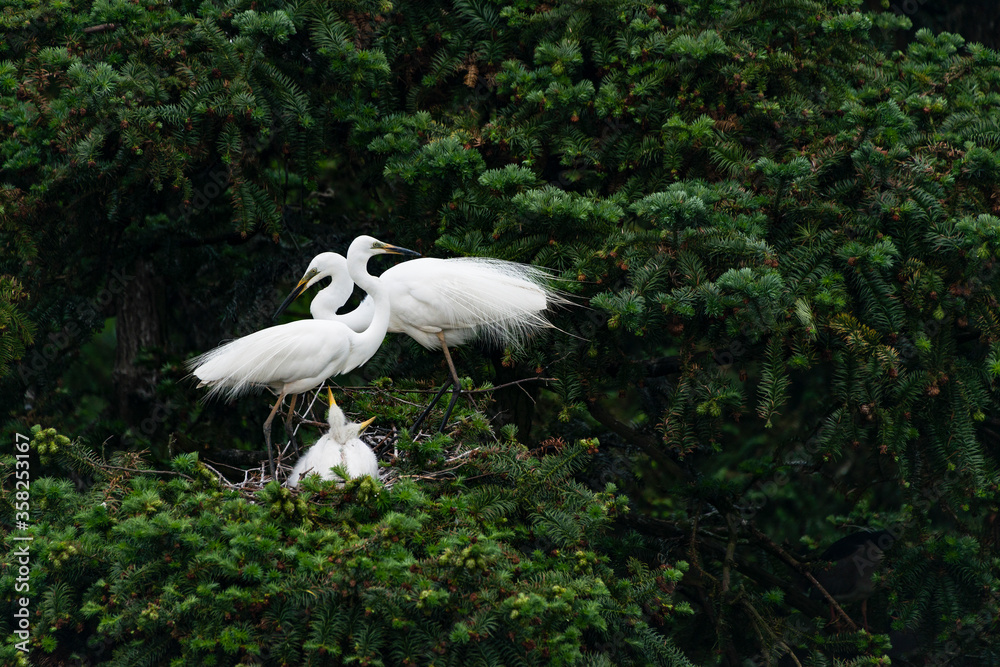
column 341, row 446
column 296, row 357
column 462, row 297
column 440, row 303
column 290, row 358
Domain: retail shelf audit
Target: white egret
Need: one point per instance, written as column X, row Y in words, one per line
column 296, row 357
column 441, row 303
column 341, row 446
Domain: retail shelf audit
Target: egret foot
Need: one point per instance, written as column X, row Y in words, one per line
column 423, row 415
column 451, row 404
column 457, row 387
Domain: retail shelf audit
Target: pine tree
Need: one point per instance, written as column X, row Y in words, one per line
column 782, row 233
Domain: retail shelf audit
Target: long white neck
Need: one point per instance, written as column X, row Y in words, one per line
column 358, row 319
column 357, row 268
column 326, row 302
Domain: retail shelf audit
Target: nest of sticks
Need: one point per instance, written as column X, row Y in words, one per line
column 247, row 471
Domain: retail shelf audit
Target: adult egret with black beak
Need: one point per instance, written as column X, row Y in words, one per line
column 440, row 303
column 293, row 358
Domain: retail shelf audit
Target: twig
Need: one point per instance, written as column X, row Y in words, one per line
column 727, row 564
column 803, row 570
column 434, row 391
column 762, row 625
column 433, row 475
column 105, row 466
column 99, row 28
column 423, row 476
column 410, row 403
column 789, row 652
column 386, row 437
column 647, row 444
column 307, row 410
column 220, row 463
column 717, row 546
column 222, row 478
column 462, row 455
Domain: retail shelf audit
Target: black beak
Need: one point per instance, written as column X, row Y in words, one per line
column 396, row 250
column 294, row 294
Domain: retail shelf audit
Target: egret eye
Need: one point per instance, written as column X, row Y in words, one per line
column 294, row 358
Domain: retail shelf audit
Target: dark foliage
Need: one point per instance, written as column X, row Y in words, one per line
column 782, row 231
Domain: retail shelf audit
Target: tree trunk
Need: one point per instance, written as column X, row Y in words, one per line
column 516, row 404
column 975, row 20
column 138, row 326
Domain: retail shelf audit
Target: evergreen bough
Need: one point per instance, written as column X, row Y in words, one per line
column 786, row 232
column 505, row 563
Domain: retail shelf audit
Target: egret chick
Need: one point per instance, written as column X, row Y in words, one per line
column 296, row 357
column 441, row 303
column 341, row 446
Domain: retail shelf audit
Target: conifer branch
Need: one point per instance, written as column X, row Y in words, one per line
column 99, row 28
column 646, row 443
column 770, row 545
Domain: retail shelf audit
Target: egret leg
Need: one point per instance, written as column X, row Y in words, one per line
column 447, row 357
column 267, row 431
column 447, row 413
column 423, row 415
column 288, row 424
column 457, row 387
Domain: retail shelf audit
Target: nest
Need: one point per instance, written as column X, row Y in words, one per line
column 312, row 413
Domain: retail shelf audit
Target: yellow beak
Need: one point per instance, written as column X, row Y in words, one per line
column 329, row 397
column 365, row 424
